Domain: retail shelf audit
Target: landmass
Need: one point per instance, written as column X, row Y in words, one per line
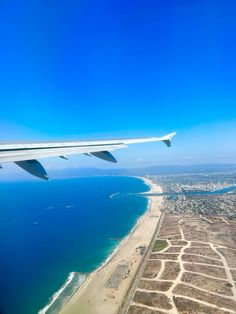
column 179, row 258
column 191, row 266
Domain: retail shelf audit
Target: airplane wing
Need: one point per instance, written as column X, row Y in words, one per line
column 26, row 155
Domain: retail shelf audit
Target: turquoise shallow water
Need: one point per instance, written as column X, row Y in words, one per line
column 50, row 229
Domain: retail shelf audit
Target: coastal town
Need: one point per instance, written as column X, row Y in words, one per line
column 195, row 182
column 212, row 194
column 220, row 205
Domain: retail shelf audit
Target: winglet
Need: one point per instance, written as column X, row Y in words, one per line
column 167, row 138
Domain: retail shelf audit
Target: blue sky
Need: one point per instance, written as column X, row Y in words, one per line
column 97, row 69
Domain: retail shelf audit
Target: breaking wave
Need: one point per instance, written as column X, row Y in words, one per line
column 79, row 278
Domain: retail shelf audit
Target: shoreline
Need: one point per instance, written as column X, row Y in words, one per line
column 93, row 296
column 57, row 295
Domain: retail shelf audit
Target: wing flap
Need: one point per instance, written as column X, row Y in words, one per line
column 105, row 156
column 33, row 167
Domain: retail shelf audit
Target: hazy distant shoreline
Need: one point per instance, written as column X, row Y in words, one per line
column 75, row 172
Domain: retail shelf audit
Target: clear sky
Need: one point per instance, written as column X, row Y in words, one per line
column 96, row 69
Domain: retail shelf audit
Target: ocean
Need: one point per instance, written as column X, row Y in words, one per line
column 53, row 233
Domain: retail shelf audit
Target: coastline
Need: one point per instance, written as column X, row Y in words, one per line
column 93, row 296
column 80, row 278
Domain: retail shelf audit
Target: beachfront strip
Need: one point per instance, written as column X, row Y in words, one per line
column 104, row 289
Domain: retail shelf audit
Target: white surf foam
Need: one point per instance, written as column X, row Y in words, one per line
column 57, row 294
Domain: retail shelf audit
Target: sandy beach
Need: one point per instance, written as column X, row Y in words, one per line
column 104, row 289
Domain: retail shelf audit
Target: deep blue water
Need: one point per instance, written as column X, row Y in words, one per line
column 49, row 229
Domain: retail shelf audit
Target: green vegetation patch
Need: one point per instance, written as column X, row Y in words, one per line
column 159, row 245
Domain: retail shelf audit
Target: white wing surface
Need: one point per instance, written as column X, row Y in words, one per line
column 26, row 155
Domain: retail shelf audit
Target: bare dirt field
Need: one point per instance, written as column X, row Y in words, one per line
column 207, row 283
column 174, row 249
column 152, row 299
column 155, row 285
column 199, row 244
column 202, row 251
column 181, row 242
column 230, row 256
column 194, row 293
column 194, row 272
column 233, row 272
column 186, row 306
column 200, row 259
column 152, row 269
column 213, row 271
column 171, row 257
column 135, row 309
column 171, row 271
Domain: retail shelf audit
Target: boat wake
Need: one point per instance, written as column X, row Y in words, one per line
column 114, row 195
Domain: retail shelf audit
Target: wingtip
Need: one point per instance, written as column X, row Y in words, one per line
column 171, row 135
column 167, row 138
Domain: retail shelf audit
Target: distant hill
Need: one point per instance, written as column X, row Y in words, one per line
column 173, row 169
column 154, row 170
